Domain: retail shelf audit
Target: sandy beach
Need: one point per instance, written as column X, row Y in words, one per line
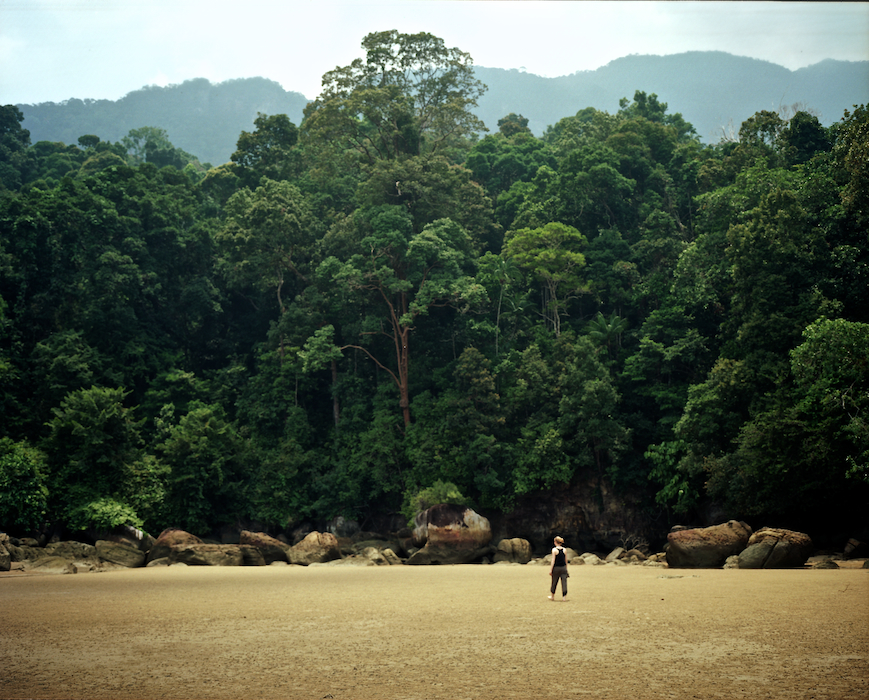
column 435, row 632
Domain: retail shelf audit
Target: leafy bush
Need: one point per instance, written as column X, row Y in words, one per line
column 23, row 493
column 102, row 514
column 98, row 465
column 438, row 492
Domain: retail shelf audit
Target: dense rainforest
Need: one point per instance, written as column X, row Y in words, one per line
column 387, row 303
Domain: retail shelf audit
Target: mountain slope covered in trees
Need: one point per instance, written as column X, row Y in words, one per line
column 373, row 304
column 718, row 91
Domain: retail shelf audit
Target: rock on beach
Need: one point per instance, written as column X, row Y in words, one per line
column 775, row 548
column 708, row 547
column 450, row 534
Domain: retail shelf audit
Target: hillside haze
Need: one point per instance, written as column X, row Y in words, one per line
column 712, row 90
column 200, row 117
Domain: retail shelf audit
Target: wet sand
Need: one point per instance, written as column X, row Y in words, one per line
column 435, row 632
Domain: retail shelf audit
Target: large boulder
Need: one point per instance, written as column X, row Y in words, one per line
column 706, row 547
column 207, row 554
column 774, row 548
column 140, row 538
column 315, row 548
column 446, row 525
column 636, row 554
column 251, row 556
column 5, row 558
column 24, row 552
column 172, row 537
column 124, row 534
column 514, row 550
column 120, row 554
column 615, row 554
column 270, row 548
column 452, row 535
column 390, row 556
column 856, row 549
column 374, row 555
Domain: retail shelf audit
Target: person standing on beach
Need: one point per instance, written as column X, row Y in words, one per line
column 558, row 569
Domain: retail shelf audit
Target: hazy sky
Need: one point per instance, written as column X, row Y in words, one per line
column 51, row 50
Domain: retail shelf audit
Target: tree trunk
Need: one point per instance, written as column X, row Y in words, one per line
column 336, row 409
column 402, row 341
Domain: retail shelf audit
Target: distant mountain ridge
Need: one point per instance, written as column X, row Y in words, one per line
column 202, row 118
column 711, row 90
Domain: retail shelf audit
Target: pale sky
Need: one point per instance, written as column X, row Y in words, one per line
column 52, row 50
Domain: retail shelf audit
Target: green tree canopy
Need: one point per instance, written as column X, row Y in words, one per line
column 409, row 95
column 552, row 255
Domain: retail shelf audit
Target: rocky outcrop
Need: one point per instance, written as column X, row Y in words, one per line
column 207, row 554
column 368, row 556
column 774, row 548
column 315, row 548
column 270, row 548
column 22, row 553
column 52, row 565
column 71, row 550
column 589, row 514
column 120, row 554
column 78, row 557
column 172, row 537
column 84, row 556
column 514, row 551
column 450, row 534
column 707, row 547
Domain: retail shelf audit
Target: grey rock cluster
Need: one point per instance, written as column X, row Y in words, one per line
column 733, row 545
column 68, row 557
column 444, row 534
column 617, row 557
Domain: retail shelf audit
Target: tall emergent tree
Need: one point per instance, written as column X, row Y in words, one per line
column 410, row 95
